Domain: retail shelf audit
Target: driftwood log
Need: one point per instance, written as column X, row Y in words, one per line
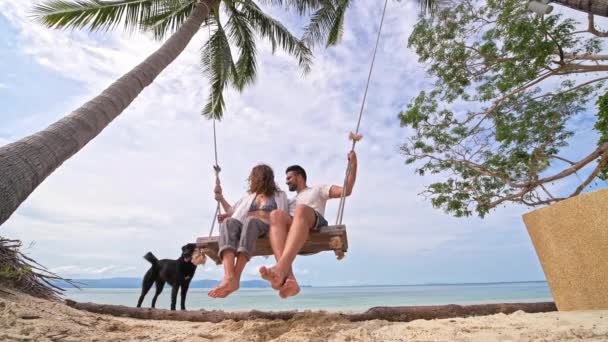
column 393, row 314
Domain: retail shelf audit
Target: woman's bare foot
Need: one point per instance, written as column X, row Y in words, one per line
column 265, row 273
column 225, row 288
column 289, row 289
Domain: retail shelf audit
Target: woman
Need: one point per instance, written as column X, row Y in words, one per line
column 244, row 222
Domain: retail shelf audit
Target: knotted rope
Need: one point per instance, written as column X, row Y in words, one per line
column 355, row 137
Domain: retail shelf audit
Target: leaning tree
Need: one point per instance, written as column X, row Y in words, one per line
column 508, row 87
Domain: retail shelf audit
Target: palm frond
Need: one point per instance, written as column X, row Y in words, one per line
column 241, row 33
column 277, row 34
column 337, row 29
column 302, row 7
column 218, row 65
column 321, row 22
column 95, row 14
column 429, row 6
column 169, row 18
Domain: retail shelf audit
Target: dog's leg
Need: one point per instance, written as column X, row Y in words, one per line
column 183, row 293
column 146, row 285
column 159, row 288
column 174, row 295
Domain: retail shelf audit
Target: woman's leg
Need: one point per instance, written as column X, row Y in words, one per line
column 230, row 232
column 253, row 228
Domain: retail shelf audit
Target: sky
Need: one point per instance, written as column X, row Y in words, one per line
column 145, row 183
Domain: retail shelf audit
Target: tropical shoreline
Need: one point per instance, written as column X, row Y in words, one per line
column 25, row 318
column 331, row 299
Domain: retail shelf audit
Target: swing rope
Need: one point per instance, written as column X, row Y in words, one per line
column 355, row 136
column 217, row 170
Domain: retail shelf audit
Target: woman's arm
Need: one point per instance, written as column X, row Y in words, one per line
column 282, row 201
column 220, row 197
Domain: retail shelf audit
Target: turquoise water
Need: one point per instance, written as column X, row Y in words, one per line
column 331, row 298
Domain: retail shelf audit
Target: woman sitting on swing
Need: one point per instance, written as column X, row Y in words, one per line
column 244, row 222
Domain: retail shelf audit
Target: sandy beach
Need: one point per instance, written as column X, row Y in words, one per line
column 24, row 318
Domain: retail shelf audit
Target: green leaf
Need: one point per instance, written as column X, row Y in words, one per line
column 302, row 7
column 168, row 18
column 277, row 34
column 321, row 23
column 96, row 15
column 337, row 28
column 241, row 33
column 216, row 59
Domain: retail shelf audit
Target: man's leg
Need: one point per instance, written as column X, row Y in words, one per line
column 303, row 220
column 280, row 221
column 230, row 231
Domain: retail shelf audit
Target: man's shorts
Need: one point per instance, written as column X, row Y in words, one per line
column 319, row 222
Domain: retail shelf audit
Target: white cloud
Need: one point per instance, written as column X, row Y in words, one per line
column 73, row 270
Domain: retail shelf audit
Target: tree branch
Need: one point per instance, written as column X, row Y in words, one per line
column 592, row 176
column 586, row 56
column 579, row 165
column 591, row 29
column 562, row 159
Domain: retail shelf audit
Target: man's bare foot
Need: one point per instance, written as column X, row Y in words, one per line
column 225, row 288
column 275, row 277
column 289, row 289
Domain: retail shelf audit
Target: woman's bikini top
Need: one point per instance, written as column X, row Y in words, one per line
column 269, row 206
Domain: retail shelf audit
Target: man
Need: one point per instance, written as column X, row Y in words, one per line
column 289, row 231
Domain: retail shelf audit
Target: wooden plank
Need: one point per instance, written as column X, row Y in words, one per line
column 329, row 238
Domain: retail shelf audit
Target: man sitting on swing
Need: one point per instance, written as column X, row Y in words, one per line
column 289, row 231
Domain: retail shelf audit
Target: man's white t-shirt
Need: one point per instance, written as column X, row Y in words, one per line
column 314, row 197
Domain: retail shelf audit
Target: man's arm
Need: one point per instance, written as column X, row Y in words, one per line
column 336, row 191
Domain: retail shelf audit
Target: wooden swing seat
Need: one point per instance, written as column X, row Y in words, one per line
column 328, row 238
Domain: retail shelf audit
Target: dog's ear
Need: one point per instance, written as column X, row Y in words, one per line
column 188, row 247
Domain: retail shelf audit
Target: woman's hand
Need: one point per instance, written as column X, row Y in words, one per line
column 222, row 217
column 218, row 192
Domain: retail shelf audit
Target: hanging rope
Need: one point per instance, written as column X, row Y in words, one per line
column 356, row 136
column 217, row 170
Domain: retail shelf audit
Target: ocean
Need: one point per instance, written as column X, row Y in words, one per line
column 352, row 298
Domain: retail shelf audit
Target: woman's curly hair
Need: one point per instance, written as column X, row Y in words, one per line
column 261, row 181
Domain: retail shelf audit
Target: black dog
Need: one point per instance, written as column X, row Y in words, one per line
column 178, row 273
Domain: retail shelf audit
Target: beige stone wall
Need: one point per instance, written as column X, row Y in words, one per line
column 571, row 241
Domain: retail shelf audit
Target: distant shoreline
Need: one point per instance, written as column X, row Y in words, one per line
column 133, row 282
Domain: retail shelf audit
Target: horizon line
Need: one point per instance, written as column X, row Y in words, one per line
column 358, row 285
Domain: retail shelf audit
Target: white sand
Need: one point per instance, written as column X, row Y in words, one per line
column 58, row 322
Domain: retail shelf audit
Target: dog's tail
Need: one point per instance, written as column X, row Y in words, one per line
column 151, row 258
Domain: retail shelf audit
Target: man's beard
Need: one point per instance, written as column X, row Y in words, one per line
column 292, row 187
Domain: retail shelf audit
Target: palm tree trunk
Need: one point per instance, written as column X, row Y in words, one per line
column 597, row 7
column 27, row 162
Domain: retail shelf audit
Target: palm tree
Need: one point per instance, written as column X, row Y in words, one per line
column 25, row 163
column 327, row 19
